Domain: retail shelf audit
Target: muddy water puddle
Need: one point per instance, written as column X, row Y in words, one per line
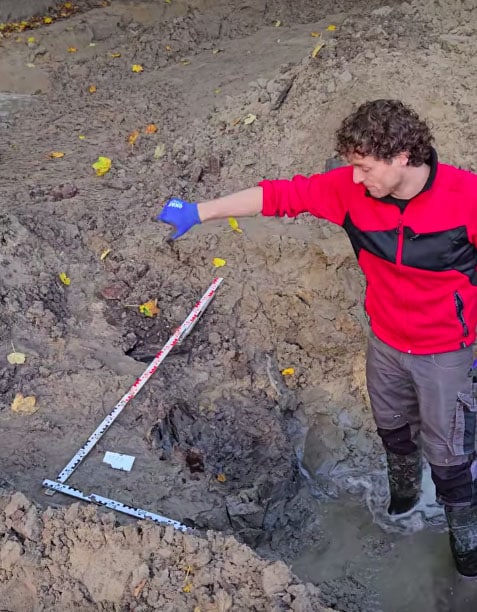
column 369, row 562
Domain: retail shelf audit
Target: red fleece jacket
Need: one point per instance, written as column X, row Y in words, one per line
column 420, row 264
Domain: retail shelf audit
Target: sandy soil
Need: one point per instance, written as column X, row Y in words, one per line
column 292, row 292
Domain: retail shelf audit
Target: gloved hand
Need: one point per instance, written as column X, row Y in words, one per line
column 181, row 214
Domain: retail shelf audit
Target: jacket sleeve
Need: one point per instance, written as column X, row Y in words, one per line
column 320, row 194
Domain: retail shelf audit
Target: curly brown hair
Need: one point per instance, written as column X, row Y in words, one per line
column 383, row 129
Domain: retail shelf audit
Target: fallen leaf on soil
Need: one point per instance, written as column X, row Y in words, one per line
column 30, row 65
column 315, row 34
column 236, row 121
column 250, row 118
column 92, row 89
column 188, row 587
column 217, row 91
column 115, row 55
column 47, row 20
column 31, row 40
column 277, row 23
column 64, row 278
column 234, row 225
column 219, row 262
column 104, row 254
column 331, row 28
column 168, row 48
column 149, row 308
column 16, row 358
column 102, row 166
column 185, row 62
column 159, row 151
column 215, row 51
column 57, row 154
column 26, row 405
column 221, row 477
column 137, row 68
column 151, row 128
column 288, row 371
column 316, row 50
column 81, row 137
column 133, row 136
column 72, row 49
column 139, row 588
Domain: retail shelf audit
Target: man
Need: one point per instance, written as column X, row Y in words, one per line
column 412, row 222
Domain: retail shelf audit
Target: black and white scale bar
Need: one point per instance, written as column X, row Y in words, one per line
column 113, row 505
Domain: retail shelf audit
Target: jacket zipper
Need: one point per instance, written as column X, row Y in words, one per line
column 459, row 306
column 400, row 234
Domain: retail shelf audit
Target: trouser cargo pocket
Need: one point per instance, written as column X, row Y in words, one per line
column 461, row 439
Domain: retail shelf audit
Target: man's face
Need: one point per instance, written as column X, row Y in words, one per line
column 381, row 178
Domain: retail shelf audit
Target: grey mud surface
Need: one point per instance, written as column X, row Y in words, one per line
column 301, row 472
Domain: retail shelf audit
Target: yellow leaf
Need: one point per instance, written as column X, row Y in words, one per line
column 115, row 55
column 234, row 225
column 137, row 68
column 64, row 278
column 168, row 48
column 218, row 262
column 315, row 34
column 331, row 28
column 72, row 49
column 277, row 23
column 102, row 166
column 67, row 5
column 288, row 371
column 92, row 89
column 26, row 405
column 316, row 50
column 57, row 154
column 215, row 51
column 188, row 587
column 16, row 358
column 47, row 20
column 31, row 40
column 151, row 128
column 149, row 309
column 159, row 151
column 104, row 254
column 221, row 477
column 81, row 137
column 167, row 1
column 250, row 118
column 185, row 62
column 133, row 136
column 217, row 91
column 139, row 588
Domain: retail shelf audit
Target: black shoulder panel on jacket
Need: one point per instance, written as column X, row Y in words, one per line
column 383, row 243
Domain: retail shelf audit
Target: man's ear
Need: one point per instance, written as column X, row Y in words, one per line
column 402, row 158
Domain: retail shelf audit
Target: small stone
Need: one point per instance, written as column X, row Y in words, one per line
column 116, row 291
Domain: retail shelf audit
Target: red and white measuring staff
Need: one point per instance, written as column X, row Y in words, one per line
column 176, row 338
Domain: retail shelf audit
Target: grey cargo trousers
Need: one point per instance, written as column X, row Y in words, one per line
column 425, row 401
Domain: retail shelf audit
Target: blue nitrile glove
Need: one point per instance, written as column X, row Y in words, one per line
column 181, row 214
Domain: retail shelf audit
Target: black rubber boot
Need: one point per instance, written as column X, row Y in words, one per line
column 463, row 538
column 405, row 476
